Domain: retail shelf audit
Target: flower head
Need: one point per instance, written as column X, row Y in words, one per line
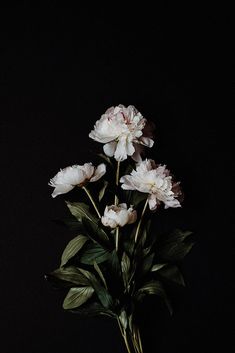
column 77, row 175
column 115, row 216
column 154, row 180
column 123, row 130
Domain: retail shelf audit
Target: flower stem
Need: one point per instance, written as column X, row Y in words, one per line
column 117, row 238
column 92, row 201
column 140, row 221
column 124, row 335
column 117, row 181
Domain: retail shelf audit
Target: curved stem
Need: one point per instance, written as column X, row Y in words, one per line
column 140, row 221
column 92, row 201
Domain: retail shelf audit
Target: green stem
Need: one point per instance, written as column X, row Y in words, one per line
column 124, row 335
column 140, row 221
column 117, row 181
column 92, row 201
column 117, row 238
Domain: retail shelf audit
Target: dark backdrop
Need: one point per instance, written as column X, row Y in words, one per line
column 60, row 70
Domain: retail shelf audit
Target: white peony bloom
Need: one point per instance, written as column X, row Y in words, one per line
column 115, row 216
column 76, row 175
column 154, row 180
column 123, row 130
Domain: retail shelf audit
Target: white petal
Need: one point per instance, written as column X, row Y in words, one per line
column 61, row 189
column 152, row 202
column 109, row 148
column 121, row 152
column 122, row 218
column 127, row 183
column 88, row 168
column 99, row 172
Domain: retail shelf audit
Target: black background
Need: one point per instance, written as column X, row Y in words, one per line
column 60, row 70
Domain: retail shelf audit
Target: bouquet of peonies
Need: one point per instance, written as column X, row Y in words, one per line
column 116, row 259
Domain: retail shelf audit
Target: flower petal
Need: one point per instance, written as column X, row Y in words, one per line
column 109, row 148
column 61, row 189
column 99, row 172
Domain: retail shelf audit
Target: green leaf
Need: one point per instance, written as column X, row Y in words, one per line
column 154, row 288
column 72, row 248
column 102, row 191
column 123, row 319
column 95, row 232
column 175, row 251
column 125, row 265
column 91, row 309
column 173, row 274
column 98, row 270
column 77, row 296
column 173, row 247
column 68, row 276
column 106, row 158
column 81, row 211
column 102, row 293
column 157, row 267
column 147, row 264
column 94, row 253
column 137, row 197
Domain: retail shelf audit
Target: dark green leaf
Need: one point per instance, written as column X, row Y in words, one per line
column 72, row 248
column 69, row 276
column 147, row 264
column 98, row 270
column 154, row 288
column 81, row 211
column 102, row 191
column 106, row 158
column 125, row 265
column 77, row 296
column 174, row 251
column 172, row 273
column 91, row 309
column 95, row 232
column 94, row 253
column 157, row 267
column 137, row 197
column 102, row 293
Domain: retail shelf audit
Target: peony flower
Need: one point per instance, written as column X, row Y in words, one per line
column 123, row 131
column 154, row 180
column 115, row 216
column 76, row 175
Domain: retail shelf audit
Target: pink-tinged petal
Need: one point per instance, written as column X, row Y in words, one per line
column 172, row 203
column 61, row 189
column 99, row 172
column 109, row 148
column 146, row 141
column 132, row 216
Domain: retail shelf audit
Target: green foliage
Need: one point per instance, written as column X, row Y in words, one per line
column 94, row 253
column 77, row 296
column 154, row 288
column 72, row 248
column 102, row 281
column 174, row 247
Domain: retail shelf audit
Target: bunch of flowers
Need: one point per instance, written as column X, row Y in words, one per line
column 116, row 259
